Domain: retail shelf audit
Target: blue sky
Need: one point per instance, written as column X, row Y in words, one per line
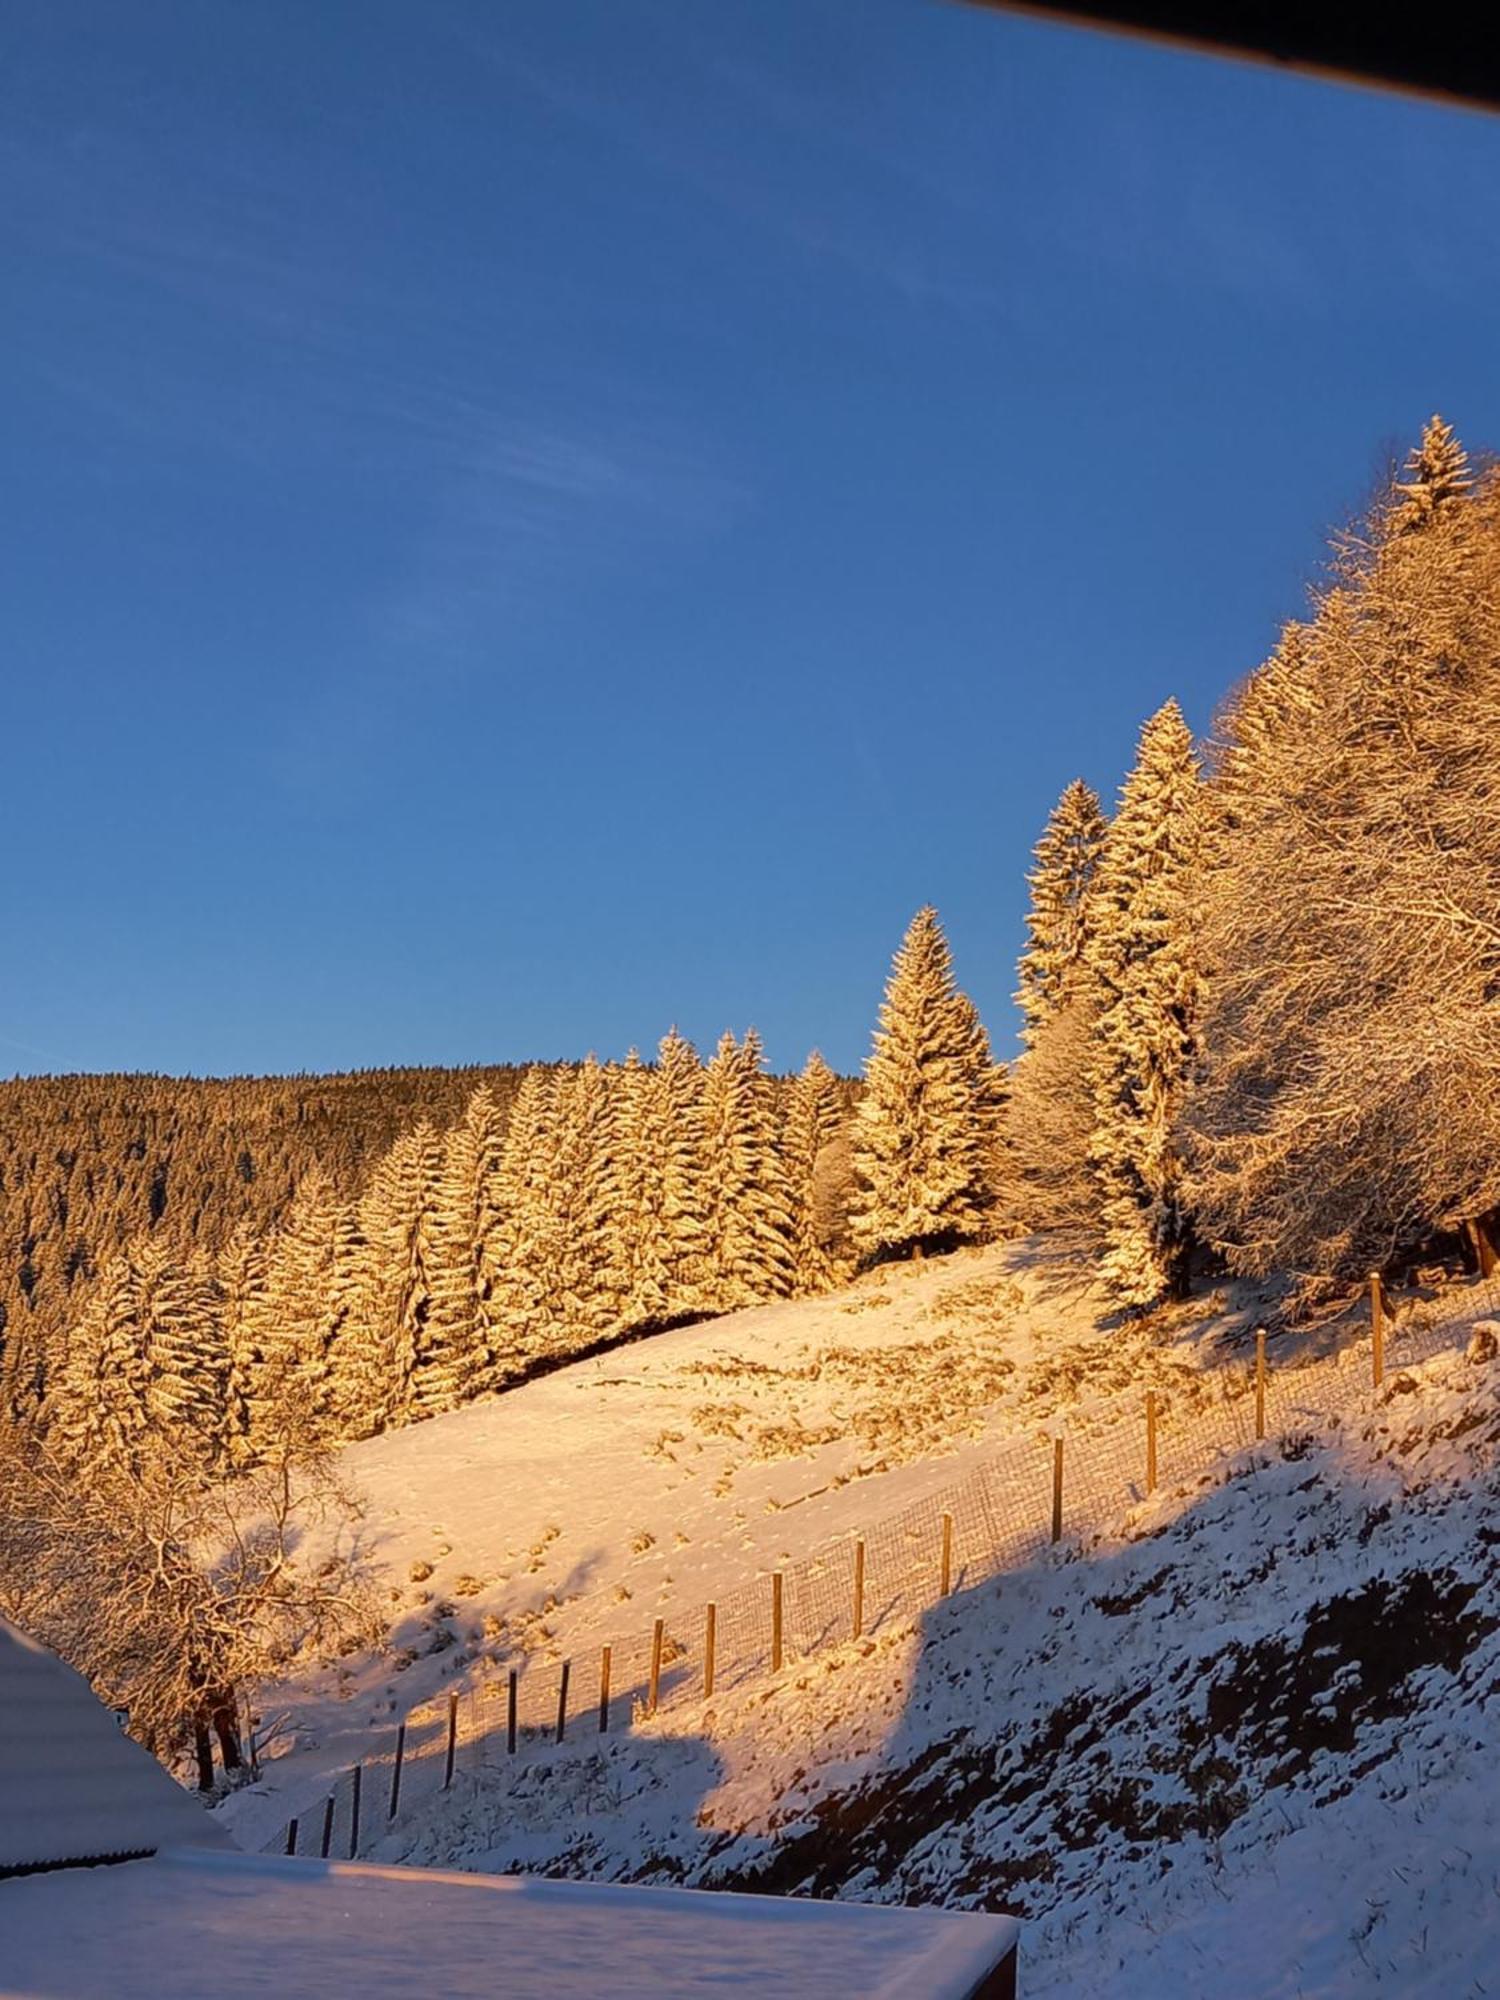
column 523, row 524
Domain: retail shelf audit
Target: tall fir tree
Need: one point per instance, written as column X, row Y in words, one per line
column 146, row 1360
column 385, row 1374
column 97, row 1401
column 749, row 1208
column 924, row 1134
column 814, row 1124
column 460, row 1352
column 1337, row 1113
column 185, row 1402
column 680, row 1142
column 243, row 1278
column 641, row 1141
column 1437, row 474
column 1061, row 875
column 991, row 1088
column 1144, row 964
column 585, row 1286
column 288, row 1383
column 525, row 1248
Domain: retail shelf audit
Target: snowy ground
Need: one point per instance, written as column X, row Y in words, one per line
column 1237, row 1745
column 1244, row 1750
column 541, row 1522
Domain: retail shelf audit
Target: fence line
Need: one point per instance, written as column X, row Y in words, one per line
column 999, row 1517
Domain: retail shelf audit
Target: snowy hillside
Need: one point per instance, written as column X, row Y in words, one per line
column 1241, row 1751
column 533, row 1524
column 1219, row 1745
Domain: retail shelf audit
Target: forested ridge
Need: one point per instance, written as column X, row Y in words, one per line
column 91, row 1163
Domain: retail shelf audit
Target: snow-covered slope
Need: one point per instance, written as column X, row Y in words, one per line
column 574, row 1510
column 1236, row 1745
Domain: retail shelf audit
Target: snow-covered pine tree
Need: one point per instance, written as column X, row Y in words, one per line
column 96, row 1405
column 678, row 1140
column 525, row 1252
column 1144, row 964
column 813, row 1127
column 186, row 1360
column 641, row 1139
column 460, row 1358
column 289, row 1388
column 585, row 1287
column 243, row 1273
column 1341, row 1109
column 991, row 1086
column 147, row 1355
column 1057, row 923
column 1437, row 473
column 923, row 1136
column 749, row 1200
column 409, row 1245
column 383, row 1348
column 1047, row 1180
column 358, row 1354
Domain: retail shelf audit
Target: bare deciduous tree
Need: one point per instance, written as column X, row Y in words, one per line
column 178, row 1596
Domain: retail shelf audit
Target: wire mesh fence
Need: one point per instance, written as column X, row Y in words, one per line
column 1033, row 1493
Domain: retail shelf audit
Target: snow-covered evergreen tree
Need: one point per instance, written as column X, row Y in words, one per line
column 460, row 1355
column 97, row 1402
column 358, row 1351
column 386, row 1368
column 991, row 1094
column 641, row 1141
column 1143, row 961
column 749, row 1201
column 147, row 1355
column 186, row 1360
column 585, row 1290
column 1341, row 1109
column 525, row 1251
column 924, row 1134
column 288, row 1376
column 813, row 1126
column 1047, row 1179
column 678, row 1140
column 243, row 1280
column 1437, row 474
column 1057, row 923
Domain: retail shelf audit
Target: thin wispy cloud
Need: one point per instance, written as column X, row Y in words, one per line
column 836, row 216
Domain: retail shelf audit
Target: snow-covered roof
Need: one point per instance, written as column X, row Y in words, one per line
column 244, row 1923
column 73, row 1786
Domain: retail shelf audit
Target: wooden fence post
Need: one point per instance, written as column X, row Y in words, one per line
column 655, row 1690
column 1057, row 1489
column 1484, row 1243
column 604, row 1660
column 327, row 1824
column 946, row 1582
column 291, row 1836
column 776, row 1622
column 710, row 1643
column 1260, row 1383
column 1150, row 1442
column 562, row 1701
column 1377, row 1330
column 396, row 1771
column 859, row 1587
column 452, row 1740
column 359, row 1780
column 510, row 1714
